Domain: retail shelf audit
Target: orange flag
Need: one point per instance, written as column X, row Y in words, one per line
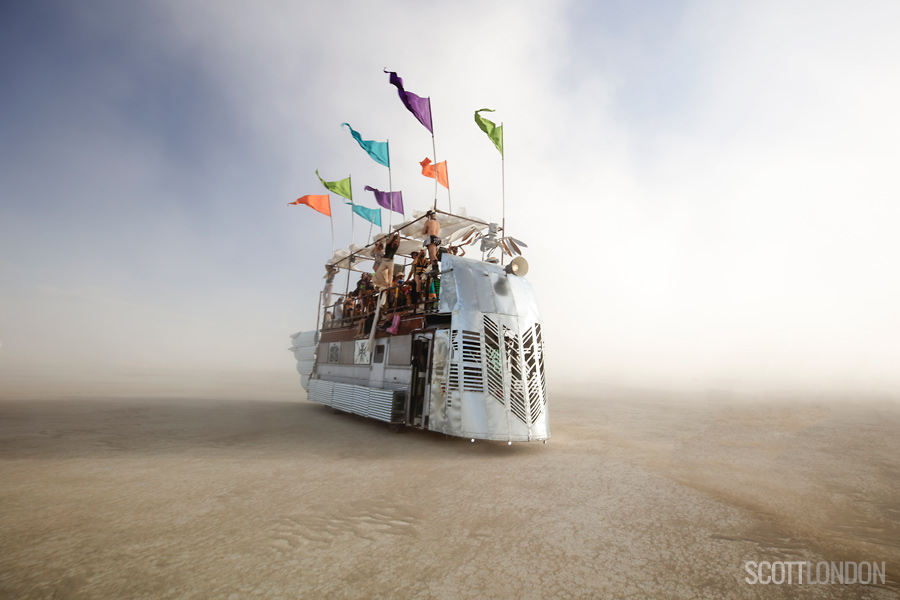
column 319, row 203
column 428, row 170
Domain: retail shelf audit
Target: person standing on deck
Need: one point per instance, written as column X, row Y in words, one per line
column 330, row 272
column 393, row 244
column 384, row 275
column 382, row 268
column 419, row 265
column 432, row 230
column 377, row 256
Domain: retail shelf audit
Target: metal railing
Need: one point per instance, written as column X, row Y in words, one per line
column 359, row 308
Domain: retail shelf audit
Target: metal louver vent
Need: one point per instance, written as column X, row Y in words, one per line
column 471, row 347
column 539, row 342
column 529, row 353
column 467, row 359
column 454, row 376
column 492, row 359
column 517, row 402
column 473, row 378
column 473, row 373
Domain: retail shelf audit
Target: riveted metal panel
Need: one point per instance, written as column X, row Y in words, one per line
column 497, row 361
column 440, row 381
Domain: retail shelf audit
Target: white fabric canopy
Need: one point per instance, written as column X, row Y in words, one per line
column 453, row 228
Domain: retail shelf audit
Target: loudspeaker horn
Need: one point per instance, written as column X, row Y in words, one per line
column 518, row 266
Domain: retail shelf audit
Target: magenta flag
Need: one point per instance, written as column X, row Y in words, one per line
column 419, row 107
column 390, row 200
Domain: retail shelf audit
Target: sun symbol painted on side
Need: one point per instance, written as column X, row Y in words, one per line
column 362, row 353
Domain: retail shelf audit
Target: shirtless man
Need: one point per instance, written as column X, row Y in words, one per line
column 432, row 230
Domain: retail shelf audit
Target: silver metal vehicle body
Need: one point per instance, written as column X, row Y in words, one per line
column 471, row 366
column 488, row 378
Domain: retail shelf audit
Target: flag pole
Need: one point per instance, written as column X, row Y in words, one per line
column 346, row 287
column 331, row 221
column 350, row 257
column 503, row 193
column 449, row 201
column 390, row 188
column 434, row 151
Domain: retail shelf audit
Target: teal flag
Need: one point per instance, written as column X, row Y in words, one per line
column 492, row 130
column 372, row 215
column 341, row 188
column 379, row 151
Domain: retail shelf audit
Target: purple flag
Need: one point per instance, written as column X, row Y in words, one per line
column 390, row 200
column 420, row 107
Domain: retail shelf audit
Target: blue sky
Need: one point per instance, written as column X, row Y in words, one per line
column 735, row 164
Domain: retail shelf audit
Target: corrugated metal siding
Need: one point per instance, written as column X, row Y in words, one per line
column 356, row 399
column 342, row 397
column 380, row 404
column 320, row 391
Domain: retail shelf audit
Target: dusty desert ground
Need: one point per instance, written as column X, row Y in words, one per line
column 229, row 486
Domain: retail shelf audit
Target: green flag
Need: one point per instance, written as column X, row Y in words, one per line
column 492, row 130
column 341, row 188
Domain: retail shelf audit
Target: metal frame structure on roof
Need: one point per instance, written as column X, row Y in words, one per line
column 453, row 228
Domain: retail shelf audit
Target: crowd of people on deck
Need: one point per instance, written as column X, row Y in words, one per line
column 417, row 291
